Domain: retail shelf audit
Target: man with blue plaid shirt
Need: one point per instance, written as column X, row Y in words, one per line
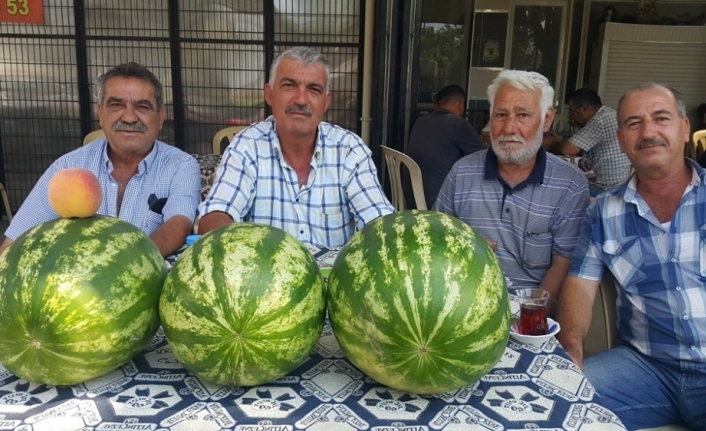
column 294, row 171
column 148, row 183
column 650, row 233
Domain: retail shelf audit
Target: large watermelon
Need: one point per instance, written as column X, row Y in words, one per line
column 78, row 298
column 418, row 302
column 244, row 305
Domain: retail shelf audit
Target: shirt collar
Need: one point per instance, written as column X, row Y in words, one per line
column 277, row 145
column 629, row 190
column 535, row 177
column 142, row 167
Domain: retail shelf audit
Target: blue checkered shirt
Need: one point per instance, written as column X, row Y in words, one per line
column 660, row 270
column 531, row 222
column 601, row 150
column 254, row 183
column 166, row 171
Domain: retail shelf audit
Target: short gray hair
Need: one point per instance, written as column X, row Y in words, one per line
column 525, row 81
column 681, row 105
column 130, row 70
column 305, row 55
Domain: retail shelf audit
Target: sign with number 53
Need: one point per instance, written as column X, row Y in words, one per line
column 22, row 11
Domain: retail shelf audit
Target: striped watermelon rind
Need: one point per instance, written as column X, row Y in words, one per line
column 417, row 301
column 78, row 298
column 244, row 305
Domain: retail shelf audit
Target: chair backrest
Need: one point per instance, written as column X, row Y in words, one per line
column 6, row 202
column 698, row 139
column 608, row 298
column 93, row 136
column 394, row 161
column 226, row 133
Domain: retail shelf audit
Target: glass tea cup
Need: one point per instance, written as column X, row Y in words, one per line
column 533, row 311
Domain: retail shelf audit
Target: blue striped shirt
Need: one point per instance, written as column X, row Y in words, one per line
column 538, row 218
column 254, row 183
column 660, row 269
column 167, row 172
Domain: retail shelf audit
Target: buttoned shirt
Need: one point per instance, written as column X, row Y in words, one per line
column 601, row 150
column 254, row 183
column 536, row 219
column 659, row 269
column 166, row 172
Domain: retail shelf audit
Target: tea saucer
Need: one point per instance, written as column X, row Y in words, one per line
column 534, row 340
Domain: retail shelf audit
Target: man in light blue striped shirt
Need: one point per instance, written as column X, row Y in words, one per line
column 293, row 171
column 146, row 182
column 650, row 233
column 526, row 203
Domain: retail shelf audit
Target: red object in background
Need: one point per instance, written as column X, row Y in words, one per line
column 533, row 320
column 22, row 11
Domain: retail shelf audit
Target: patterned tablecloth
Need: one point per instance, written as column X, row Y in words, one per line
column 537, row 388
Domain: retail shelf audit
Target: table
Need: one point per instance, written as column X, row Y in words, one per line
column 529, row 388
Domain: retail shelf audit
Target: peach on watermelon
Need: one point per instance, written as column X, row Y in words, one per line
column 75, row 192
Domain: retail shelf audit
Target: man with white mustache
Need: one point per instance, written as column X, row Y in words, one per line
column 135, row 169
column 527, row 204
column 294, row 171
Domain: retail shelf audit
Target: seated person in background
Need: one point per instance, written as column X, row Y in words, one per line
column 649, row 234
column 130, row 164
column 440, row 138
column 597, row 138
column 526, row 203
column 293, row 171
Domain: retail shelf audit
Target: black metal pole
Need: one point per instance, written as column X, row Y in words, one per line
column 177, row 89
column 84, row 88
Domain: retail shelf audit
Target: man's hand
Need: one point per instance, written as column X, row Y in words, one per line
column 574, row 314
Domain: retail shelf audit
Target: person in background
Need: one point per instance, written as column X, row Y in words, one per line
column 135, row 170
column 649, row 233
column 440, row 138
column 526, row 203
column 294, row 171
column 596, row 141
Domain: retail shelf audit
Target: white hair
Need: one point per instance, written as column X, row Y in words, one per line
column 525, row 81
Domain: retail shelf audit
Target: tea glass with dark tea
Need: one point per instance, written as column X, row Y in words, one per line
column 533, row 311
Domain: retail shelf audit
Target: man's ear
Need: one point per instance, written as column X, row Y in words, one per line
column 268, row 90
column 549, row 118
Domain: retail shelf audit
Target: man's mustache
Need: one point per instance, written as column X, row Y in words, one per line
column 510, row 138
column 647, row 143
column 129, row 127
column 299, row 109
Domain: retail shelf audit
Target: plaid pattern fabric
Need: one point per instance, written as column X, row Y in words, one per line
column 254, row 183
column 166, row 172
column 601, row 151
column 660, row 269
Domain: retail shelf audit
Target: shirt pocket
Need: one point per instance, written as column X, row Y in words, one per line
column 331, row 229
column 624, row 257
column 537, row 250
column 702, row 253
column 152, row 222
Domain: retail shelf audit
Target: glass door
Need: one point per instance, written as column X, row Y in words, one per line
column 536, row 31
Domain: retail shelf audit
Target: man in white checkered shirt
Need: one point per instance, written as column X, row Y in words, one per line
column 596, row 141
column 294, row 171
